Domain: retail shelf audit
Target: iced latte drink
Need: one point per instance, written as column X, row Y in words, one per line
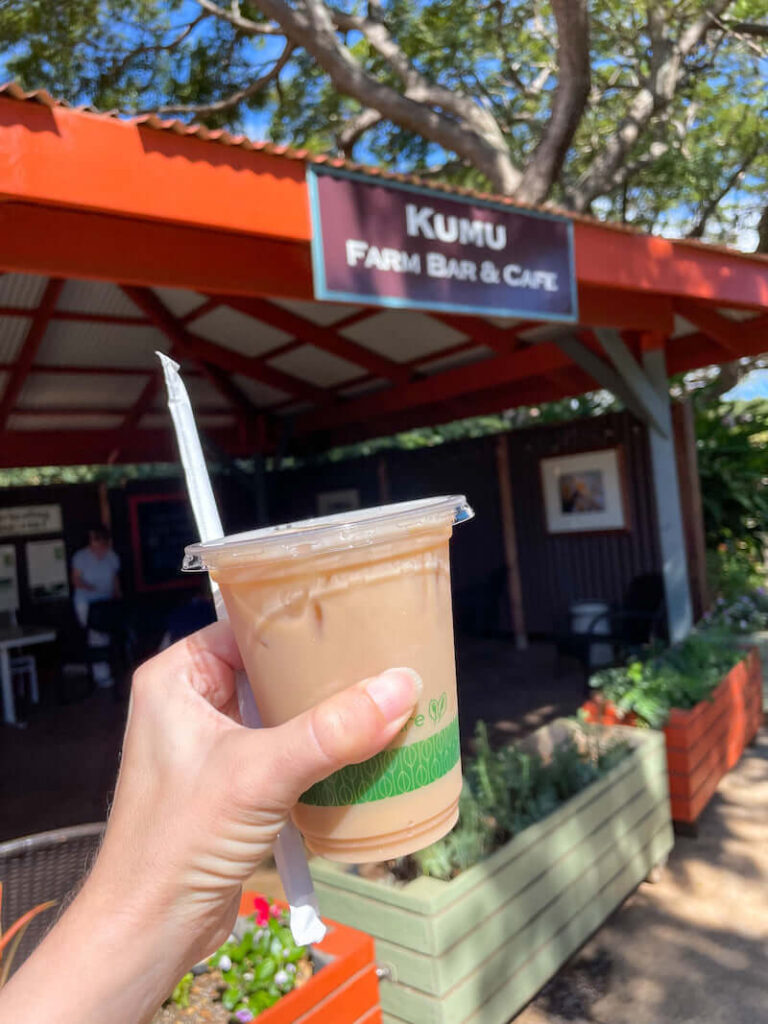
column 321, row 604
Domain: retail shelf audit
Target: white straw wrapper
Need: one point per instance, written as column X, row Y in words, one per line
column 288, row 850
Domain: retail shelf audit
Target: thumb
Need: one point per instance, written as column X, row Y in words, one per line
column 348, row 727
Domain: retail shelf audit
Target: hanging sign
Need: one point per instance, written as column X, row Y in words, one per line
column 388, row 244
column 24, row 520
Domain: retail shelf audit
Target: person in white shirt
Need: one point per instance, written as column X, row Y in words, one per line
column 95, row 570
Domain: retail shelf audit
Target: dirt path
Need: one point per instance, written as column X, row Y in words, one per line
column 693, row 948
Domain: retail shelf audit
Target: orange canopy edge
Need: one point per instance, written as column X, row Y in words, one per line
column 120, row 235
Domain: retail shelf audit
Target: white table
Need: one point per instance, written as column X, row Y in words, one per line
column 10, row 637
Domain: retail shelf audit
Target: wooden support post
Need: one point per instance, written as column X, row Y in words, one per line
column 514, row 583
column 690, row 495
column 668, row 505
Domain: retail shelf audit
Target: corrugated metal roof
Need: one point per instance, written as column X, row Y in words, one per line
column 23, row 291
column 402, row 335
column 175, row 126
column 13, row 331
column 79, row 390
column 52, row 421
column 238, row 331
column 96, row 297
column 316, row 366
column 84, row 343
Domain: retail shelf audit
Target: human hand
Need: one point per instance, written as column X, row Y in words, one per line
column 200, row 799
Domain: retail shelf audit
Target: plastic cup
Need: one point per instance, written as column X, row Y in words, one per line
column 320, row 604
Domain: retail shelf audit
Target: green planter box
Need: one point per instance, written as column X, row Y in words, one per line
column 479, row 947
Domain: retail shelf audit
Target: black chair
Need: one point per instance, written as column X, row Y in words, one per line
column 627, row 628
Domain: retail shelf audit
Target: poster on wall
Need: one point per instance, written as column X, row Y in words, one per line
column 329, row 503
column 389, row 244
column 585, row 492
column 47, row 570
column 25, row 520
column 9, row 582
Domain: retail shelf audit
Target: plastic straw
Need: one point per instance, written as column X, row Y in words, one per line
column 288, row 850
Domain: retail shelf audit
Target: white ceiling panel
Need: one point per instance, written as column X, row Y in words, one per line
column 234, row 330
column 682, row 327
column 323, row 313
column 13, row 331
column 82, row 343
column 76, row 390
column 403, row 335
column 471, row 355
column 101, row 297
column 316, row 366
column 179, row 301
column 260, row 394
column 364, row 387
column 47, row 421
column 739, row 315
column 21, row 290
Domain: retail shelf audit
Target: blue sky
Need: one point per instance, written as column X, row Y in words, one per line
column 754, row 385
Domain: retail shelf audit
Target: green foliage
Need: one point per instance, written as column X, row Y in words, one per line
column 257, row 969
column 508, row 789
column 732, row 440
column 675, row 677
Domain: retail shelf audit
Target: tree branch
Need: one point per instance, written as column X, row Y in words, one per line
column 234, row 98
column 236, row 19
column 667, row 73
column 708, row 208
column 568, row 104
column 471, row 132
column 355, row 128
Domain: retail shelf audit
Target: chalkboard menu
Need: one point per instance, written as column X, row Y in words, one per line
column 161, row 526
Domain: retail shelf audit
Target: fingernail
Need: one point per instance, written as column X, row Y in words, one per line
column 395, row 691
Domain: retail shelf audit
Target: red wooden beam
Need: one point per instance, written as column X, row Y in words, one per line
column 206, row 352
column 737, row 337
column 325, row 338
column 142, row 404
column 106, row 248
column 29, row 348
column 87, row 410
column 68, row 314
column 99, row 371
column 455, row 383
column 501, row 339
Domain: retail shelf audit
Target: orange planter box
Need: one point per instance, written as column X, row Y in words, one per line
column 344, row 991
column 705, row 742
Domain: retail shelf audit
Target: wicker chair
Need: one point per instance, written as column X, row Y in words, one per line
column 46, row 866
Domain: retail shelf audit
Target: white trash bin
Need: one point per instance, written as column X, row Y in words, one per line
column 583, row 615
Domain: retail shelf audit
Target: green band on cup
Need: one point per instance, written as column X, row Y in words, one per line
column 389, row 773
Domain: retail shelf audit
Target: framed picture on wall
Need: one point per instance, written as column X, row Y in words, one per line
column 585, row 492
column 331, row 502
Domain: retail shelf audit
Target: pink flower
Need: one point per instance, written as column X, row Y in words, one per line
column 261, row 911
column 275, row 911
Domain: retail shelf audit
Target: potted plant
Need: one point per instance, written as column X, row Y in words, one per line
column 260, row 973
column 707, row 697
column 553, row 834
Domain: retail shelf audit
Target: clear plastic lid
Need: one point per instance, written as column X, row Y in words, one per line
column 328, row 533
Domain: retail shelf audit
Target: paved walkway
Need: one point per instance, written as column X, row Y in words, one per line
column 692, row 948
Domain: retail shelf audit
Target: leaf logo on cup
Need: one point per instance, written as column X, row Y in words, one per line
column 437, row 707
